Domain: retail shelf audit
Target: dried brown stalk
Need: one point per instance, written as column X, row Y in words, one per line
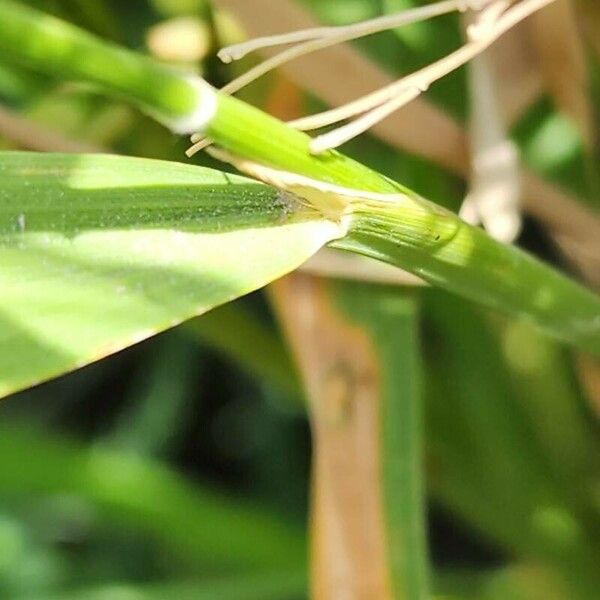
column 589, row 371
column 512, row 62
column 339, row 368
column 589, row 21
column 495, row 190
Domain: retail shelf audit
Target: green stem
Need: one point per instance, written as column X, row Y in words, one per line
column 432, row 243
column 414, row 235
column 250, row 133
column 67, row 52
column 420, row 236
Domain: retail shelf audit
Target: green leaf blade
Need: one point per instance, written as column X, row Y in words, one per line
column 100, row 252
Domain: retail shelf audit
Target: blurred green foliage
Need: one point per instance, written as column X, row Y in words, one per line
column 179, row 468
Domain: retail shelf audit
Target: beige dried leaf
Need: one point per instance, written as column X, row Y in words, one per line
column 557, row 40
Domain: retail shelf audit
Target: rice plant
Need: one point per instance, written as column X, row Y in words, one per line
column 360, row 363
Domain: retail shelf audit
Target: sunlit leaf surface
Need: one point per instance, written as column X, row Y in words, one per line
column 99, row 252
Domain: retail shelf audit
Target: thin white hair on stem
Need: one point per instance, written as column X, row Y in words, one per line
column 356, row 30
column 506, row 16
column 342, row 134
column 486, row 18
column 199, row 144
column 318, row 38
column 492, row 19
column 323, row 37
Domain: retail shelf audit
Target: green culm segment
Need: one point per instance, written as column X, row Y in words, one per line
column 68, row 53
column 144, row 244
column 450, row 254
column 419, row 236
column 416, row 235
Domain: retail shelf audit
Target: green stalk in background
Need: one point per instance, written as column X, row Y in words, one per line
column 413, row 234
column 488, row 466
column 270, row 586
column 254, row 346
column 194, row 523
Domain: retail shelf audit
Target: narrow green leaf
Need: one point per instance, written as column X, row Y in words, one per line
column 193, row 522
column 99, row 252
column 158, row 398
column 415, row 235
column 281, row 585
